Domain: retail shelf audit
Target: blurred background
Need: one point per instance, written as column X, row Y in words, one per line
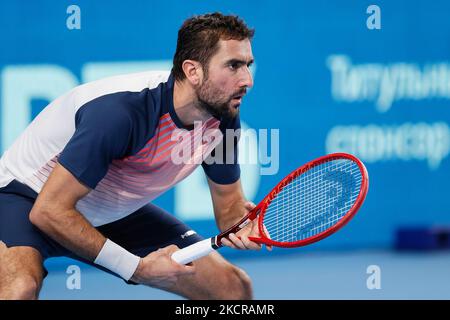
column 368, row 78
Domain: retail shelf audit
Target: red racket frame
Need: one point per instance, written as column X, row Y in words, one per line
column 261, row 208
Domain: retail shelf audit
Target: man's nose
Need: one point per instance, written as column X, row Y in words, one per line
column 247, row 78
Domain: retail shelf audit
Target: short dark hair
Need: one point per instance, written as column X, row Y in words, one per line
column 199, row 35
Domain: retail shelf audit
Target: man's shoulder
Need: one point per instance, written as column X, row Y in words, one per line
column 115, row 88
column 130, row 81
column 128, row 109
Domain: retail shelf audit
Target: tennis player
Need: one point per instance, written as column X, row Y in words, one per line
column 80, row 179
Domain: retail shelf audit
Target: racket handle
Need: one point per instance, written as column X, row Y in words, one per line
column 193, row 252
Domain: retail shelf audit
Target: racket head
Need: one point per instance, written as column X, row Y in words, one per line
column 345, row 169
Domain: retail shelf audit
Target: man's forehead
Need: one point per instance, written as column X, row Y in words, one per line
column 235, row 49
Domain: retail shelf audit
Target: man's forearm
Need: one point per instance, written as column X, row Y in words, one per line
column 54, row 212
column 226, row 217
column 229, row 203
column 70, row 229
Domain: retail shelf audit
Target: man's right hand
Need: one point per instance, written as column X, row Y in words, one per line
column 159, row 270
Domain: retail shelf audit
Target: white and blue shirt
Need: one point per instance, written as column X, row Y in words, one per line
column 115, row 136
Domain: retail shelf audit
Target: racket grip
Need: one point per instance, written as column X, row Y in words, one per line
column 193, row 252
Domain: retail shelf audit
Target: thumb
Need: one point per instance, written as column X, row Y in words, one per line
column 189, row 268
column 170, row 249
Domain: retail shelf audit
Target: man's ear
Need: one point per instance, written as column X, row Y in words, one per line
column 193, row 71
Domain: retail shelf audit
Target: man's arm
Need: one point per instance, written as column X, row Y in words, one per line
column 55, row 214
column 228, row 202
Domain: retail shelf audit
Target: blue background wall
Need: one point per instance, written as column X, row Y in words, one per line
column 322, row 78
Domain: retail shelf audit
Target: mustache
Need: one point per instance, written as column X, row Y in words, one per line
column 240, row 92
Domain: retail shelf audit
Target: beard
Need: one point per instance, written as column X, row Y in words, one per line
column 216, row 102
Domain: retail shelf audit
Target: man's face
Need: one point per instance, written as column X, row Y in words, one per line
column 227, row 79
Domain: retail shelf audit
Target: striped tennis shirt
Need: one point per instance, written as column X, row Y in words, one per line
column 117, row 136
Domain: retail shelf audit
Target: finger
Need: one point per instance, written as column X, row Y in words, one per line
column 268, row 247
column 228, row 243
column 250, row 244
column 188, row 269
column 236, row 241
column 266, row 232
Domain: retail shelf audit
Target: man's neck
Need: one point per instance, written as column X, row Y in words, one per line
column 184, row 102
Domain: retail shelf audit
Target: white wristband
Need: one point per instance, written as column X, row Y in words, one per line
column 117, row 259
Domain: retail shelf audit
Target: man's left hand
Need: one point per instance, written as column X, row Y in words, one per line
column 241, row 240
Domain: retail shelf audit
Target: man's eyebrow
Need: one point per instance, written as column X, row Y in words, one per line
column 239, row 61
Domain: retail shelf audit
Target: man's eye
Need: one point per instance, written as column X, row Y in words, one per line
column 234, row 66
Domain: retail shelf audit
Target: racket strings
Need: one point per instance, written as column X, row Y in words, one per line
column 309, row 228
column 314, row 201
column 287, row 231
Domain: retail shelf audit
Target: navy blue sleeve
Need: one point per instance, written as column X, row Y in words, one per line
column 228, row 170
column 103, row 132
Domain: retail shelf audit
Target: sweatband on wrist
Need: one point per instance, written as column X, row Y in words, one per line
column 117, row 259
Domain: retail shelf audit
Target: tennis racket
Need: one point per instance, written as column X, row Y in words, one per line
column 309, row 204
